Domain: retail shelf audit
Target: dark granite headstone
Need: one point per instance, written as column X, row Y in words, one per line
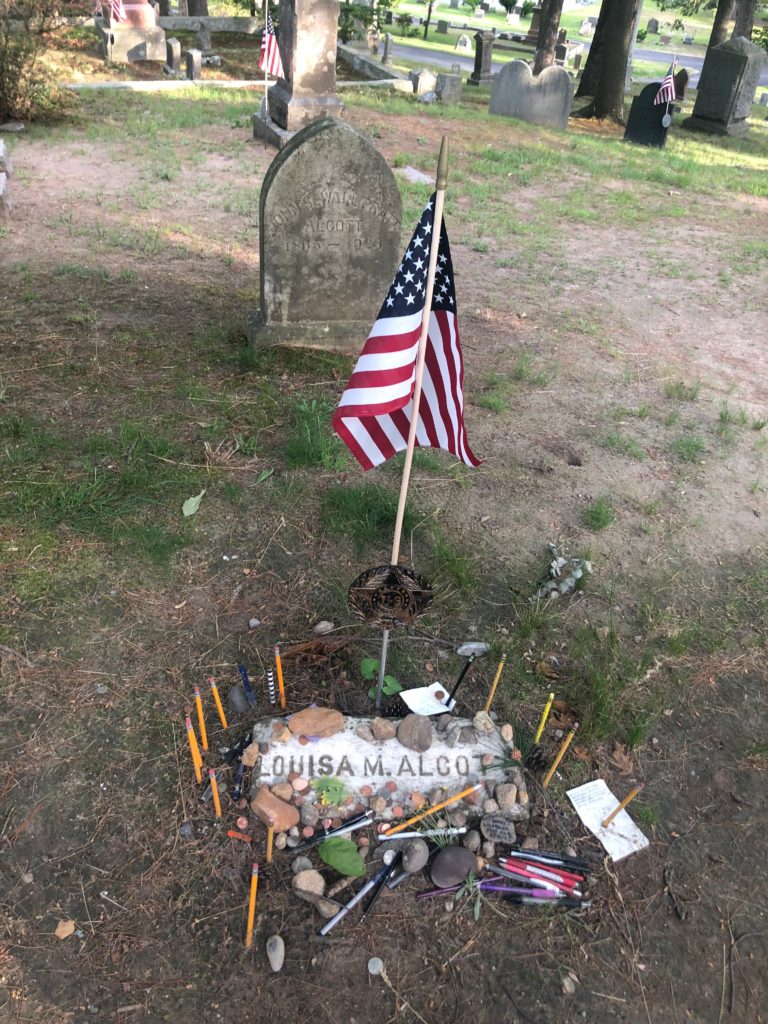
column 482, row 73
column 644, row 124
column 173, row 56
column 652, row 28
column 533, row 31
column 330, row 217
column 727, row 88
column 194, row 64
column 442, row 28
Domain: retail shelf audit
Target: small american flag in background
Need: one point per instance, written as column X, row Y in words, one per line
column 666, row 93
column 116, row 10
column 374, row 415
column 270, row 54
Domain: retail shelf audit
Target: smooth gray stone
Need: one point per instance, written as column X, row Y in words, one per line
column 237, row 701
column 415, row 855
column 275, row 952
column 452, row 865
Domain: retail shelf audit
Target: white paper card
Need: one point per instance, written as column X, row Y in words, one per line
column 423, row 700
column 593, row 803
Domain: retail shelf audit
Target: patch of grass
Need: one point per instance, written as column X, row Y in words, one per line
column 481, row 246
column 689, row 447
column 312, row 442
column 599, row 514
column 524, row 370
column 365, row 513
column 495, row 395
column 646, row 815
column 453, row 566
column 682, row 391
column 625, row 446
column 731, row 417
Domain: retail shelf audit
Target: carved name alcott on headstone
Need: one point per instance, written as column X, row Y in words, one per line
column 330, row 216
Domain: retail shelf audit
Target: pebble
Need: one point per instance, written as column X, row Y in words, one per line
column 292, row 841
column 480, row 862
column 307, row 831
column 281, row 840
column 237, row 701
column 483, row 723
column 458, row 819
column 530, row 843
column 437, row 796
column 507, row 733
column 522, row 797
column 569, row 985
column 275, row 952
column 506, row 795
column 301, row 864
column 242, row 824
column 397, row 811
column 263, row 748
column 472, row 647
column 327, row 908
column 293, row 830
column 383, row 729
column 300, row 785
column 378, row 805
column 101, row 689
column 365, row 733
column 487, row 760
column 363, row 841
column 472, row 840
column 366, row 791
column 254, row 623
column 283, row 790
column 375, row 966
column 271, row 809
column 499, row 828
column 488, row 850
column 186, row 829
column 570, row 851
column 27, row 878
column 309, row 814
column 323, row 627
column 308, row 883
column 452, row 735
column 451, row 866
column 417, row 800
column 415, row 732
column 442, row 722
column 320, row 722
column 467, row 734
column 390, row 785
column 490, row 806
column 415, row 855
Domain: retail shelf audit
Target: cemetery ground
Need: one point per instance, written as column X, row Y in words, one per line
column 612, row 307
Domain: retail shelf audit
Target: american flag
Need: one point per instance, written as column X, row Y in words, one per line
column 116, row 10
column 666, row 93
column 270, row 54
column 374, row 415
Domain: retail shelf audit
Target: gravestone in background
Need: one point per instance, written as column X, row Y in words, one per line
column 644, row 124
column 652, row 28
column 423, row 81
column 442, row 28
column 330, row 217
column 194, row 60
column 727, row 88
column 136, row 37
column 463, row 44
column 532, row 38
column 172, row 57
column 482, row 73
column 448, row 87
column 544, row 99
column 307, row 40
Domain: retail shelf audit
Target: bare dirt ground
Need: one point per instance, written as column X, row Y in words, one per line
column 611, row 318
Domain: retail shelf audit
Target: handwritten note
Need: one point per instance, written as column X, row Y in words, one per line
column 593, row 803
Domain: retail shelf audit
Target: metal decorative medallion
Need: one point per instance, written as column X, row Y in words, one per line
column 389, row 595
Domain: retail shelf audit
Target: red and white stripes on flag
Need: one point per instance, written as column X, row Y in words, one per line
column 666, row 93
column 270, row 53
column 374, row 414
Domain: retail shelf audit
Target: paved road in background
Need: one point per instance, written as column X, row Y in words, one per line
column 444, row 60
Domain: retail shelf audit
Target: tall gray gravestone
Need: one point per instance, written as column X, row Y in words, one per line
column 307, row 39
column 482, row 73
column 544, row 99
column 330, row 217
column 727, row 88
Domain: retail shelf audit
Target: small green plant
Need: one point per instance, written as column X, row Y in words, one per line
column 369, row 669
column 618, row 443
column 599, row 514
column 330, row 791
column 682, row 391
column 646, row 815
column 365, row 513
column 341, row 855
column 312, row 443
column 688, row 448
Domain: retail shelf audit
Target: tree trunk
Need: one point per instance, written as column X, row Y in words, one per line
column 551, row 11
column 609, row 95
column 593, row 65
column 197, row 8
column 723, row 15
column 429, row 15
column 745, row 18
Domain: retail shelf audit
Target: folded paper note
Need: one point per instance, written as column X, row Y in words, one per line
column 593, row 803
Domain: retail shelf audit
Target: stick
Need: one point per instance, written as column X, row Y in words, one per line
column 560, row 755
column 495, row 683
column 201, row 719
column 544, row 718
column 435, row 807
column 252, row 905
column 270, row 841
column 627, row 799
column 440, row 186
column 279, row 669
column 197, row 760
column 217, row 699
column 215, row 792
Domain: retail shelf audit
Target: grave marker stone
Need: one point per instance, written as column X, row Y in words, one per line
column 586, row 28
column 423, row 81
column 386, row 57
column 513, row 18
column 448, row 88
column 204, row 39
column 482, row 73
column 645, row 125
column 561, row 54
column 665, row 40
column 463, row 44
column 454, row 5
column 330, row 217
column 545, row 99
column 687, row 40
column 727, row 88
column 136, row 37
column 194, row 59
column 532, row 38
column 172, row 57
column 442, row 28
column 652, row 28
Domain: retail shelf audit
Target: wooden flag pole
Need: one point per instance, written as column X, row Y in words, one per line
column 441, row 183
column 266, row 74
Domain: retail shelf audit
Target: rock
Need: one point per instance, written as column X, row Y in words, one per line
column 308, row 884
column 506, row 795
column 254, row 623
column 452, row 735
column 365, row 733
column 487, row 760
column 451, row 866
column 327, row 908
column 415, row 855
column 530, row 843
column 316, row 722
column 309, row 814
column 483, row 723
column 472, row 840
column 480, row 862
column 516, row 776
column 415, row 732
column 518, row 812
column 237, row 701
column 375, row 965
column 281, row 733
column 472, row 646
column 467, row 735
column 251, row 755
column 301, row 864
column 507, row 733
column 283, row 790
column 442, row 722
column 294, row 830
column 271, row 809
column 323, row 627
column 378, row 804
column 570, row 851
column 488, row 850
column 522, row 797
column 458, row 818
column 438, row 795
column 280, row 841
column 263, row 748
column 418, row 800
column 300, row 785
column 383, row 729
column 490, row 806
column 186, row 830
column 292, row 842
column 499, row 828
column 569, row 985
column 27, row 878
column 275, row 952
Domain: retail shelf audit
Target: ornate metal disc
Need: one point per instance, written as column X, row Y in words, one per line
column 389, row 595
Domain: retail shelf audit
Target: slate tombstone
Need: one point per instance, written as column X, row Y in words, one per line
column 544, row 99
column 645, row 124
column 172, row 56
column 652, row 28
column 482, row 73
column 330, row 217
column 727, row 88
column 448, row 87
column 194, row 60
column 423, row 81
column 442, row 28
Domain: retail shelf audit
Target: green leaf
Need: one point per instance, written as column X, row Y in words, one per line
column 342, row 856
column 369, row 667
column 265, row 474
column 391, row 686
column 191, row 505
column 330, row 790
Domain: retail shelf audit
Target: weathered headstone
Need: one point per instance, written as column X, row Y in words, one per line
column 645, row 125
column 652, row 28
column 587, row 27
column 727, row 88
column 513, row 18
column 665, row 40
column 463, row 44
column 5, row 173
column 562, row 36
column 423, row 81
column 561, row 54
column 386, row 57
column 577, row 61
column 454, row 5
column 204, row 38
column 307, row 40
column 687, row 40
column 194, row 59
column 479, row 14
column 545, row 99
column 136, row 37
column 172, row 56
column 330, row 217
column 442, row 28
column 389, row 17
column 448, row 88
column 482, row 73
column 764, row 99
column 532, row 37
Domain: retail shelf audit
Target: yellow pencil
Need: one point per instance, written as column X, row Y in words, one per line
column 197, row 760
column 217, row 699
column 495, row 683
column 279, row 667
column 560, row 755
column 435, row 807
column 215, row 792
column 544, row 718
column 627, row 799
column 270, row 840
column 252, row 905
column 201, row 719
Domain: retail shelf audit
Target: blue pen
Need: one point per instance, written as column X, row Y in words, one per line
column 249, row 694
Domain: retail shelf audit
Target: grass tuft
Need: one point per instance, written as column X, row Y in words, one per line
column 599, row 514
column 366, row 513
column 313, row 443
